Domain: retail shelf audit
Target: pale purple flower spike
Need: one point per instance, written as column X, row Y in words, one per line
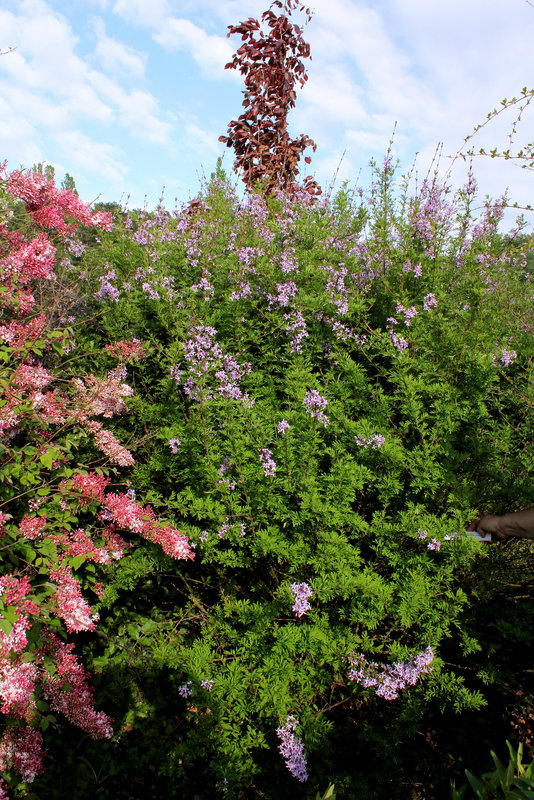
column 301, row 592
column 292, row 749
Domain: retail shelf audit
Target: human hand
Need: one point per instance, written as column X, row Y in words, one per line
column 490, row 523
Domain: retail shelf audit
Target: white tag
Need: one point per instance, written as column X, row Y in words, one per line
column 480, row 537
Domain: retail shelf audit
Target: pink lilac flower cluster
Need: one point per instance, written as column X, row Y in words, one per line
column 376, row 441
column 103, row 395
column 125, row 513
column 127, row 350
column 207, row 685
column 185, row 690
column 315, row 406
column 32, row 527
column 22, row 750
column 292, row 749
column 70, row 604
column 108, row 444
column 267, row 462
column 77, row 543
column 18, row 334
column 50, row 207
column 301, row 592
column 24, row 679
column 69, row 693
column 29, row 260
column 91, row 486
column 31, row 376
column 390, row 679
column 17, row 685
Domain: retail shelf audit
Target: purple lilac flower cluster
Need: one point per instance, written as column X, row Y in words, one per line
column 297, row 327
column 415, row 268
column 288, row 261
column 506, row 358
column 107, row 289
column 375, row 441
column 76, row 247
column 399, row 342
column 285, row 291
column 409, row 313
column 267, row 462
column 301, row 592
column 432, row 544
column 242, row 290
column 283, row 426
column 430, row 213
column 336, row 288
column 206, row 359
column 204, row 286
column 344, row 333
column 429, row 301
column 185, row 690
column 390, row 679
column 226, row 464
column 223, row 530
column 174, row 444
column 292, row 749
column 315, row 405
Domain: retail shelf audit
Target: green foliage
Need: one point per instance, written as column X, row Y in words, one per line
column 515, row 780
column 244, row 310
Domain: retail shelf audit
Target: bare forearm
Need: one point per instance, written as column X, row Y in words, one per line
column 518, row 523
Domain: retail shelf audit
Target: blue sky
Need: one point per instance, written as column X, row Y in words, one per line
column 130, row 96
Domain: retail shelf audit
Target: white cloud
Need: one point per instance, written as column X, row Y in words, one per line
column 210, row 52
column 115, row 56
column 148, row 13
column 90, row 156
column 332, row 97
column 49, row 85
column 18, row 136
column 138, row 112
column 202, row 141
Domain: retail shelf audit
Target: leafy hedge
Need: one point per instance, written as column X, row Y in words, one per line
column 323, row 392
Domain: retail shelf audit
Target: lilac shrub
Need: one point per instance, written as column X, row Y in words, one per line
column 324, row 380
